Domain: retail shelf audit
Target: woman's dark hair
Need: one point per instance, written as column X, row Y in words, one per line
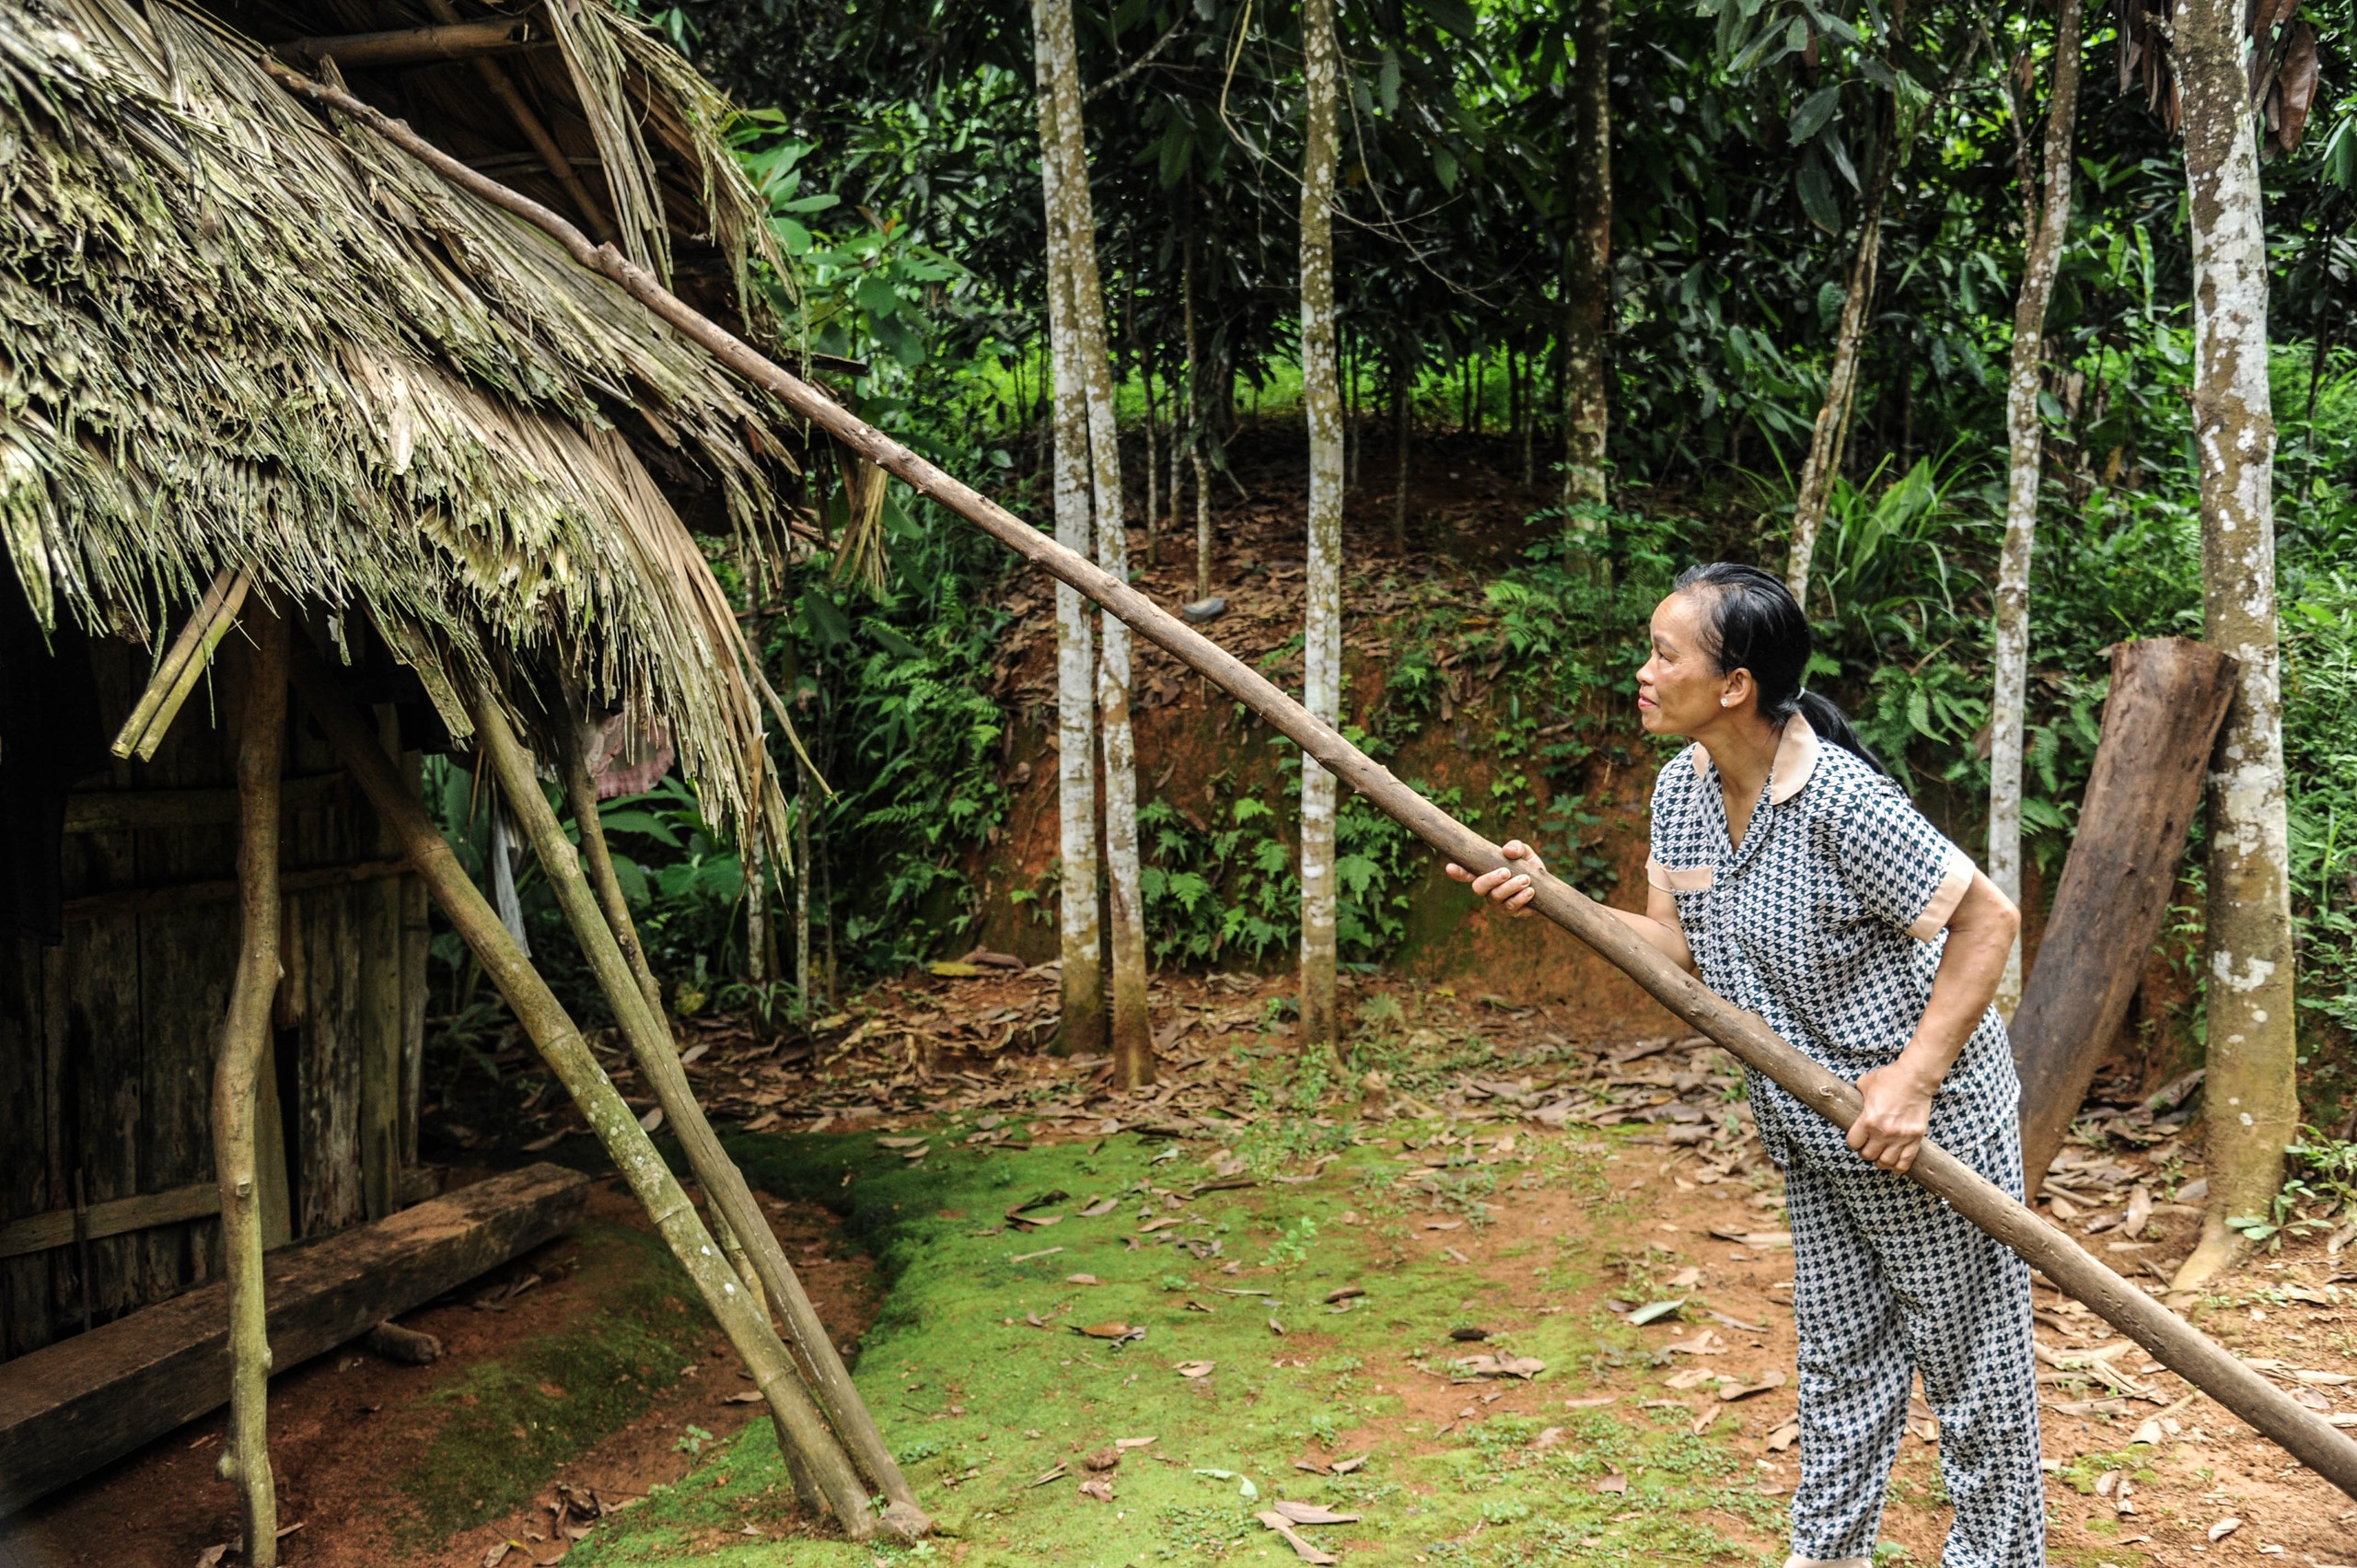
column 1753, row 623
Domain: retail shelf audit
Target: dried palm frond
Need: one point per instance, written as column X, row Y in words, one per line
column 234, row 336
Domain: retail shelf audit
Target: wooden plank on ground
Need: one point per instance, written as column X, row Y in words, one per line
column 69, row 1407
column 2168, row 697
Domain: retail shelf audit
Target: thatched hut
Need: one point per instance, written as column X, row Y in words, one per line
column 260, row 364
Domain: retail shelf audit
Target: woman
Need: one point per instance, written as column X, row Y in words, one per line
column 1794, row 877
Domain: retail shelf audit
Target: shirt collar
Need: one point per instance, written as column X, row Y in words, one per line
column 1795, row 765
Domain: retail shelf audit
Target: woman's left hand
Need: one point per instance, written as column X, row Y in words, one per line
column 1895, row 1119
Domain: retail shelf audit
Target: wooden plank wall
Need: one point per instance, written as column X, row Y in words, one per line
column 106, row 1042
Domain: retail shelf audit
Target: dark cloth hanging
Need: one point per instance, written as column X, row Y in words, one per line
column 51, row 738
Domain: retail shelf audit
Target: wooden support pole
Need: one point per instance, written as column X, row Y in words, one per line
column 802, row 1431
column 2172, row 1340
column 2168, row 697
column 581, row 793
column 256, row 703
column 658, row 1063
column 175, row 676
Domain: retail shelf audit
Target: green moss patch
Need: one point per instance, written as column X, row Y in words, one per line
column 984, row 1385
column 510, row 1422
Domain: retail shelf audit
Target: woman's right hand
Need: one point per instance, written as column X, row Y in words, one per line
column 1509, row 886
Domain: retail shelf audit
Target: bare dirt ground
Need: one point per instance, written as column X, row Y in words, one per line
column 352, row 1436
column 2142, row 1468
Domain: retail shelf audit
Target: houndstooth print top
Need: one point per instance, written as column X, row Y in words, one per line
column 1827, row 921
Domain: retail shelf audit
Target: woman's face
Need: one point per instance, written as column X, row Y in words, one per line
column 1680, row 690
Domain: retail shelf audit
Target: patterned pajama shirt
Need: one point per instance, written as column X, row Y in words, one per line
column 1828, row 921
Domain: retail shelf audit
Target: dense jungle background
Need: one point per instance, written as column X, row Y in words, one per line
column 1489, row 617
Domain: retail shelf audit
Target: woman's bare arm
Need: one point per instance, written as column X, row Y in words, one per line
column 1896, row 1115
column 1511, row 890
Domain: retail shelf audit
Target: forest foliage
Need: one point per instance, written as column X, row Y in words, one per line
column 897, row 145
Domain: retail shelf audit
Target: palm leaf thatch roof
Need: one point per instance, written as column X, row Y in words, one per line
column 234, row 335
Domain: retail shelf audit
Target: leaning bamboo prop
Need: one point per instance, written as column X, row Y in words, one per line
column 598, row 859
column 257, row 714
column 2172, row 1340
column 189, row 656
column 819, row 1469
column 650, row 1042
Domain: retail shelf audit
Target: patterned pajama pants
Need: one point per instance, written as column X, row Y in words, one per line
column 1888, row 1280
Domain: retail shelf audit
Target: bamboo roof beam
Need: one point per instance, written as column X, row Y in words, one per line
column 403, row 47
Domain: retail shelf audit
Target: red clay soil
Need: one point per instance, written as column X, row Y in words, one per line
column 349, row 1429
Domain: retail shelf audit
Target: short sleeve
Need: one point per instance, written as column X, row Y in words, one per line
column 1670, row 863
column 1901, row 868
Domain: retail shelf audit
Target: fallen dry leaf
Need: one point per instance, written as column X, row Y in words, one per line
column 1098, row 1487
column 2225, row 1527
column 1131, row 1441
column 1344, row 1467
column 1783, row 1437
column 1590, row 1401
column 1302, row 1548
column 1193, row 1368
column 1615, row 1482
column 1082, row 1280
column 1047, row 1476
column 1314, row 1514
column 1771, row 1378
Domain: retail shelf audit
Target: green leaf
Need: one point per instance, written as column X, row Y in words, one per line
column 1454, row 16
column 1815, row 188
column 827, row 622
column 1814, row 112
column 644, row 822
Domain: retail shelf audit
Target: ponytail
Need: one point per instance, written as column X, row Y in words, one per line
column 1831, row 724
column 1755, row 623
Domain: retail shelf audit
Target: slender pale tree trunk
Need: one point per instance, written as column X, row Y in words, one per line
column 1587, row 273
column 1073, row 251
column 2044, row 230
column 1082, row 980
column 1195, row 436
column 2251, row 1106
column 1403, row 418
column 258, row 719
column 1831, row 431
column 1323, row 618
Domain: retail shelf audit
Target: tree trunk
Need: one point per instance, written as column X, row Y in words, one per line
column 1144, row 364
column 1083, row 976
column 1323, row 618
column 1587, row 260
column 2251, row 1106
column 2026, row 427
column 1402, row 415
column 258, row 719
column 1832, row 429
column 2168, row 697
column 1194, row 439
column 1074, row 251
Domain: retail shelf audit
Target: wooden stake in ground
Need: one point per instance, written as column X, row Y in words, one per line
column 257, row 714
column 581, row 793
column 2251, row 1104
column 2172, row 1340
column 1321, row 657
column 731, row 1200
column 2168, row 697
column 2045, row 224
column 803, row 1438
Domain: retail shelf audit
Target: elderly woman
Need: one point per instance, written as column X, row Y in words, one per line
column 1790, row 873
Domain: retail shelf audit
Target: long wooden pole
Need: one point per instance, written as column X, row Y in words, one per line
column 724, row 1186
column 257, row 702
column 801, row 1430
column 2172, row 1340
